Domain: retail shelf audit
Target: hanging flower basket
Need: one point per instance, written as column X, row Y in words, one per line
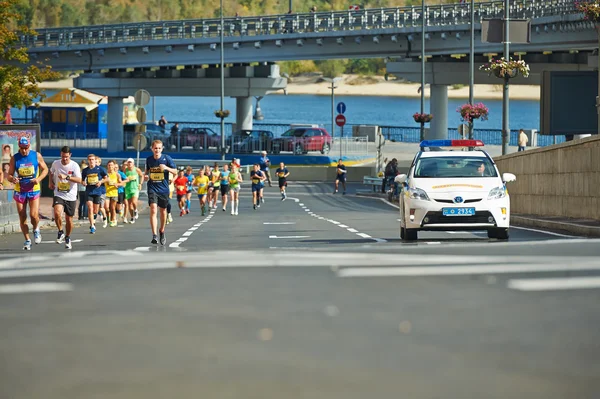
column 591, row 10
column 222, row 113
column 422, row 118
column 469, row 112
column 502, row 68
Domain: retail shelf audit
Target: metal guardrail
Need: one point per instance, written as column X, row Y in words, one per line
column 287, row 24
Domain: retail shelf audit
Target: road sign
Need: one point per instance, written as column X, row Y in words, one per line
column 142, row 97
column 340, row 120
column 139, row 142
column 140, row 128
column 341, row 108
column 141, row 115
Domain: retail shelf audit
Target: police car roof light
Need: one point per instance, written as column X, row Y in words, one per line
column 451, row 143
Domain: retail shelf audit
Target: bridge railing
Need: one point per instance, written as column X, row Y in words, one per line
column 287, row 24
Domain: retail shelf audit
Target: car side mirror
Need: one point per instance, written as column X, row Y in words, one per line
column 400, row 178
column 508, row 177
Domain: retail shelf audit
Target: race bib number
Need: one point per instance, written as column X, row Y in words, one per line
column 180, row 188
column 92, row 179
column 26, row 171
column 281, row 174
column 232, row 180
column 112, row 182
column 156, row 174
column 64, row 186
column 255, row 181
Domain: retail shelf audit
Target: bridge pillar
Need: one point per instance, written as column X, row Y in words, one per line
column 438, row 105
column 243, row 112
column 114, row 134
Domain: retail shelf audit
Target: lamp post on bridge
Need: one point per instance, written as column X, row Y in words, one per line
column 472, row 64
column 222, row 85
column 333, row 87
column 422, row 131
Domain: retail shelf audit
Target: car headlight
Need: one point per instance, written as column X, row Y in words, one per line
column 417, row 193
column 497, row 193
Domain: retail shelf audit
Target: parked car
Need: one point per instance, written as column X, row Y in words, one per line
column 246, row 141
column 153, row 132
column 197, row 138
column 301, row 140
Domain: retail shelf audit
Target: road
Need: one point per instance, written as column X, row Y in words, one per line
column 314, row 297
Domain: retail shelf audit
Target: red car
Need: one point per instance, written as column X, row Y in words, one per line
column 301, row 140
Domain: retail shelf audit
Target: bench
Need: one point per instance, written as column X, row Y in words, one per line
column 375, row 182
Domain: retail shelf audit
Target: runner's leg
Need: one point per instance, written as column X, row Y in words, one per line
column 22, row 210
column 34, row 212
column 153, row 221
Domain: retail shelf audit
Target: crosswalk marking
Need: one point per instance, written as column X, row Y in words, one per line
column 554, row 284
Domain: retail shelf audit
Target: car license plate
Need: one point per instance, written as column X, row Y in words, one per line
column 458, row 211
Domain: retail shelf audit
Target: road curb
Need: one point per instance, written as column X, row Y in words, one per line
column 556, row 226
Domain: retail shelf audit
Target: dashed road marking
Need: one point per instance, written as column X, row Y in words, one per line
column 191, row 230
column 554, row 284
column 289, row 237
column 279, row 222
column 34, row 287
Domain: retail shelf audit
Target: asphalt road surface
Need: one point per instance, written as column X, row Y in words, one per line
column 314, row 297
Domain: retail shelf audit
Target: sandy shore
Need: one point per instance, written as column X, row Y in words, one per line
column 377, row 86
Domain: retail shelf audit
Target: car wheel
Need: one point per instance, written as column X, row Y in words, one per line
column 402, row 234
column 411, row 234
column 298, row 150
column 325, row 149
column 499, row 233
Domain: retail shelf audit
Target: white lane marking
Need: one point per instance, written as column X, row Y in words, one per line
column 54, row 242
column 301, row 204
column 387, row 202
column 142, row 249
column 352, row 230
column 34, row 287
column 553, row 284
column 343, row 226
column 465, row 232
column 333, row 221
column 191, row 230
column 289, row 236
column 543, row 232
column 187, row 233
column 307, row 210
column 363, row 235
column 433, row 242
column 460, row 270
column 279, row 222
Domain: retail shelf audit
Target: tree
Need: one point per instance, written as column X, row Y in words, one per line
column 19, row 79
column 331, row 68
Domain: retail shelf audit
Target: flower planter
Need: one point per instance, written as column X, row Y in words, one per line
column 222, row 114
column 500, row 73
column 422, row 118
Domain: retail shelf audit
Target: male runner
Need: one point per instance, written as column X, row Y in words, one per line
column 181, row 187
column 121, row 204
column 282, row 174
column 93, row 178
column 215, row 178
column 135, row 177
column 104, row 205
column 65, row 174
column 224, row 185
column 235, row 179
column 340, row 176
column 201, row 181
column 159, row 169
column 189, row 173
column 264, row 164
column 257, row 178
column 30, row 168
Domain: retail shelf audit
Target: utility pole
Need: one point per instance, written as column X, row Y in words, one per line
column 222, row 87
column 505, row 123
column 472, row 64
column 422, row 67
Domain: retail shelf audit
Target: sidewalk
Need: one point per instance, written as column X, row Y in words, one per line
column 578, row 227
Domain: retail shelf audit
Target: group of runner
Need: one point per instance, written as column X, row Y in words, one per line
column 113, row 192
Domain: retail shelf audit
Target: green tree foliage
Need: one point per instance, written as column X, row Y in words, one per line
column 18, row 80
column 331, row 68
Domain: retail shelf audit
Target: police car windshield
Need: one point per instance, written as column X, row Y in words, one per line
column 453, row 167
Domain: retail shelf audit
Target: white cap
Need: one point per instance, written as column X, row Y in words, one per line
column 263, row 152
column 131, row 160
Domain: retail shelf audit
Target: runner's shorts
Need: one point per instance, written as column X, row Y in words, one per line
column 224, row 189
column 96, row 199
column 181, row 196
column 282, row 183
column 22, row 198
column 235, row 189
column 129, row 194
column 69, row 206
column 121, row 198
column 162, row 200
column 341, row 177
column 256, row 187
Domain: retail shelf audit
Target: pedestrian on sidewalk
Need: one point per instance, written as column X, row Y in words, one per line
column 26, row 171
column 160, row 170
column 523, row 140
column 162, row 123
column 65, row 176
column 264, row 164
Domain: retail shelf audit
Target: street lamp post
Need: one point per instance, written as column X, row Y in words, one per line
column 472, row 64
column 505, row 124
column 333, row 87
column 422, row 67
column 222, row 86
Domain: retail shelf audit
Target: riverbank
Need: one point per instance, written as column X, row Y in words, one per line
column 352, row 85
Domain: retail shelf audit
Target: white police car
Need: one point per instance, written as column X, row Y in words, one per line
column 446, row 189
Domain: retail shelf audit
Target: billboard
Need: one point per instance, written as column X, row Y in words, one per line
column 9, row 144
column 568, row 103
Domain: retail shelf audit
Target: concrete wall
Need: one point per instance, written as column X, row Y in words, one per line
column 8, row 210
column 327, row 174
column 559, row 180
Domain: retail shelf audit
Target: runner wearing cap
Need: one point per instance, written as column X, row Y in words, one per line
column 65, row 174
column 132, row 188
column 30, row 170
column 264, row 164
column 235, row 179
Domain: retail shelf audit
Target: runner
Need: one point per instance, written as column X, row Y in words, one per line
column 235, row 180
column 215, row 178
column 225, row 185
column 159, row 169
column 112, row 191
column 65, row 175
column 181, row 187
column 282, row 174
column 264, row 164
column 171, row 191
column 132, row 188
column 189, row 173
column 93, row 178
column 201, row 181
column 257, row 184
column 31, row 169
column 121, row 205
column 104, row 206
column 340, row 176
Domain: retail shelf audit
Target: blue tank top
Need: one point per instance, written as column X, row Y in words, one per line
column 225, row 177
column 26, row 167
